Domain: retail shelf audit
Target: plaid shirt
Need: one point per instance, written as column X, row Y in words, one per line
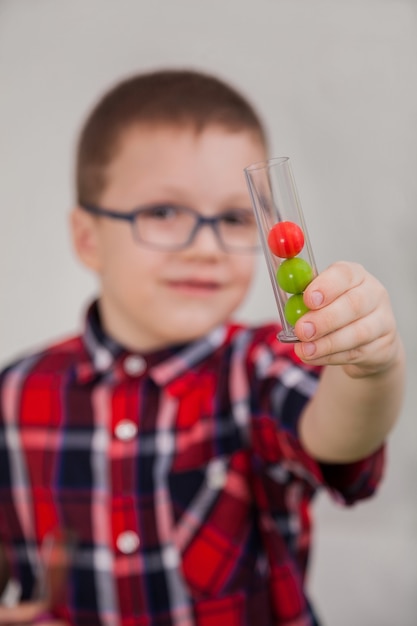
column 180, row 473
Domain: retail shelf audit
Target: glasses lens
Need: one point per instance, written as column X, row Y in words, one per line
column 238, row 231
column 164, row 226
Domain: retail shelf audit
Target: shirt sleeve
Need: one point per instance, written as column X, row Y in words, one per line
column 282, row 388
column 350, row 482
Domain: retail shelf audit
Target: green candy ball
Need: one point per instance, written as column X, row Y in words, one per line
column 293, row 275
column 295, row 308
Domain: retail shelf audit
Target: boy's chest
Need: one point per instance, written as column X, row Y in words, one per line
column 158, row 480
column 136, row 445
column 145, row 471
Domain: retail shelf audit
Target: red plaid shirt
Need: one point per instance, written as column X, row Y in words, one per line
column 180, row 473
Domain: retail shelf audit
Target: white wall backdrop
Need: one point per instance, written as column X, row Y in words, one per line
column 337, row 84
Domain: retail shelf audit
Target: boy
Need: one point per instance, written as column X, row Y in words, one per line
column 180, row 448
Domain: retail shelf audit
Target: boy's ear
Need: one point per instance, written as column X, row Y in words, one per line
column 85, row 238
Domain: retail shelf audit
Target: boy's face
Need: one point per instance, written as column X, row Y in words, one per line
column 152, row 298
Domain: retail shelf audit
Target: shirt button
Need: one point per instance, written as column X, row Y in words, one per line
column 126, row 430
column 216, row 474
column 127, row 542
column 134, row 365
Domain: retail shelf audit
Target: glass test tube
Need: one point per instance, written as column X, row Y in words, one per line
column 284, row 237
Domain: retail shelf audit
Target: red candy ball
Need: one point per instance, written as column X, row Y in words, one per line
column 285, row 239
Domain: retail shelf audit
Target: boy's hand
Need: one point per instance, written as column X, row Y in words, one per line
column 350, row 323
column 26, row 614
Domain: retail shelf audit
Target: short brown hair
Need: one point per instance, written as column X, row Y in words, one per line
column 173, row 97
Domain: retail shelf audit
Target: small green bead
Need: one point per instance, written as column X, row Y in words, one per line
column 293, row 275
column 295, row 308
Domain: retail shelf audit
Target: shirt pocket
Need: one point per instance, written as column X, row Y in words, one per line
column 214, row 523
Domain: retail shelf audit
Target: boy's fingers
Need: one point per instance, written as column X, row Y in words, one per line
column 350, row 295
column 24, row 613
column 332, row 283
column 345, row 345
column 355, row 358
column 352, row 306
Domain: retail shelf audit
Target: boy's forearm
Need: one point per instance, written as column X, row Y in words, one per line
column 349, row 418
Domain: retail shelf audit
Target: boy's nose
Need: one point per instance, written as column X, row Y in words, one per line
column 206, row 240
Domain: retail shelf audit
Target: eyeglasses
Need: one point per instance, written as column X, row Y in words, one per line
column 172, row 228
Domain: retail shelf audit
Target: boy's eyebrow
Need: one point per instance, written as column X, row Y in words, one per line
column 182, row 196
column 167, row 193
column 239, row 202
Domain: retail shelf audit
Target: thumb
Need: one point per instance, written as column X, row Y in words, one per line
column 25, row 612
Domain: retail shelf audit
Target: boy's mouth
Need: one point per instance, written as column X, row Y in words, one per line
column 194, row 286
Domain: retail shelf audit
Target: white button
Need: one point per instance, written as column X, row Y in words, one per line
column 127, row 542
column 134, row 365
column 216, row 474
column 102, row 359
column 126, row 430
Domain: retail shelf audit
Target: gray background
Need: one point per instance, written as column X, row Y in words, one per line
column 336, row 81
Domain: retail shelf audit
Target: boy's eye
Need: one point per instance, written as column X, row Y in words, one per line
column 161, row 212
column 238, row 218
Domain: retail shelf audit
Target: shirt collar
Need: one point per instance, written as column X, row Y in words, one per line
column 103, row 350
column 106, row 356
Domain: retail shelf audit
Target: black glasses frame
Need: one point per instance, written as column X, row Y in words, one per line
column 200, row 221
